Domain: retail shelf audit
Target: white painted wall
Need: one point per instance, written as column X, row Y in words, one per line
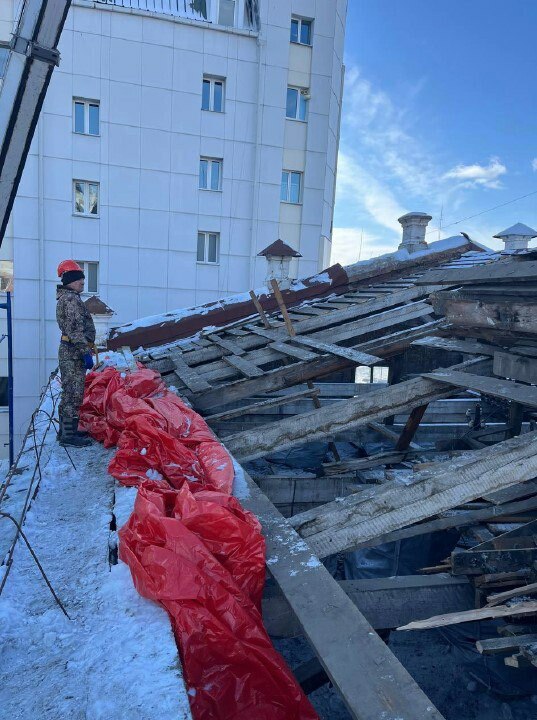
column 146, row 70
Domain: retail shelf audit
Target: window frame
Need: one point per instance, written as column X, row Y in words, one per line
column 86, row 212
column 206, row 235
column 87, row 104
column 211, row 162
column 290, row 173
column 84, row 264
column 300, row 99
column 301, row 21
column 213, row 81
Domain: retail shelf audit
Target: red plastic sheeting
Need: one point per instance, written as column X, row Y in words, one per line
column 192, row 548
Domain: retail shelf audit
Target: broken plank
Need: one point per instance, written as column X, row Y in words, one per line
column 246, row 367
column 188, row 376
column 496, row 272
column 264, row 404
column 129, row 358
column 504, row 389
column 341, row 416
column 355, row 464
column 524, row 608
column 370, row 679
column 342, row 526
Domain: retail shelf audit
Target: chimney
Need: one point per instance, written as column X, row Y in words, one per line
column 414, row 226
column 516, row 237
column 279, row 256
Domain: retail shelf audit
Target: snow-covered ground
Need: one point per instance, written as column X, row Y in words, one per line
column 116, row 656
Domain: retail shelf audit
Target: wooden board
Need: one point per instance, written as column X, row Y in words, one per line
column 503, row 389
column 498, row 598
column 291, row 351
column 229, row 345
column 355, row 356
column 189, row 376
column 503, row 271
column 370, row 679
column 243, row 366
column 525, row 608
column 385, row 602
column 472, row 562
column 262, row 405
column 471, row 347
column 343, row 525
column 515, row 367
column 339, row 417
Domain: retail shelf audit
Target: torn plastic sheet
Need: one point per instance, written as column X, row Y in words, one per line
column 192, row 547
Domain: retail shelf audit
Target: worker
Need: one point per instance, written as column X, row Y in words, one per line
column 75, row 353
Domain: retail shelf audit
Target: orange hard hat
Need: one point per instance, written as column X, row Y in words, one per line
column 67, row 266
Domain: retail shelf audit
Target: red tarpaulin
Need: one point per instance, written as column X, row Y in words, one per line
column 192, row 548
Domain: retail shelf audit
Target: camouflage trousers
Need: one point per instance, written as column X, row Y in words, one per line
column 73, row 375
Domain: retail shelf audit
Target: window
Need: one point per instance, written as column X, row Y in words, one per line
column 4, row 394
column 6, row 276
column 208, row 247
column 291, row 187
column 226, row 13
column 86, row 198
column 212, row 96
column 297, row 103
column 86, row 116
column 4, row 57
column 301, row 31
column 91, row 271
column 210, row 174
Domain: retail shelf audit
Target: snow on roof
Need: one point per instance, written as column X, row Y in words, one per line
column 517, row 229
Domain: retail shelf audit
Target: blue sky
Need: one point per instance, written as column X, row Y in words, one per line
column 439, row 115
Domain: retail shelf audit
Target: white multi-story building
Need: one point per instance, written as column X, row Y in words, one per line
column 178, row 138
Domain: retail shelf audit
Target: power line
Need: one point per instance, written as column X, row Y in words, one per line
column 470, row 217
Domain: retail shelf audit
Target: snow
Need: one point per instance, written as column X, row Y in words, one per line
column 240, row 488
column 115, row 656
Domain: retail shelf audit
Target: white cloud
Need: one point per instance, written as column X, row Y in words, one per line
column 534, row 164
column 478, row 175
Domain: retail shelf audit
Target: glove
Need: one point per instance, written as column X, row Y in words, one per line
column 88, row 360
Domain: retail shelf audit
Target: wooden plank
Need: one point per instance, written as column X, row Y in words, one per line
column 263, row 405
column 355, row 356
column 497, row 272
column 282, row 306
column 294, row 352
column 385, row 602
column 339, row 417
column 189, row 376
column 303, row 371
column 497, row 598
column 355, row 464
column 370, row 679
column 515, row 367
column 495, row 646
column 243, row 366
column 503, row 389
column 343, row 525
column 513, row 493
column 524, row 608
column 259, row 309
column 470, row 347
column 228, row 345
column 410, row 428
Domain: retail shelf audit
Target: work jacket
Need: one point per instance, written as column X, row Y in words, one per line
column 74, row 319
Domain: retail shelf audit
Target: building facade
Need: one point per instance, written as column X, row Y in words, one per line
column 172, row 147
